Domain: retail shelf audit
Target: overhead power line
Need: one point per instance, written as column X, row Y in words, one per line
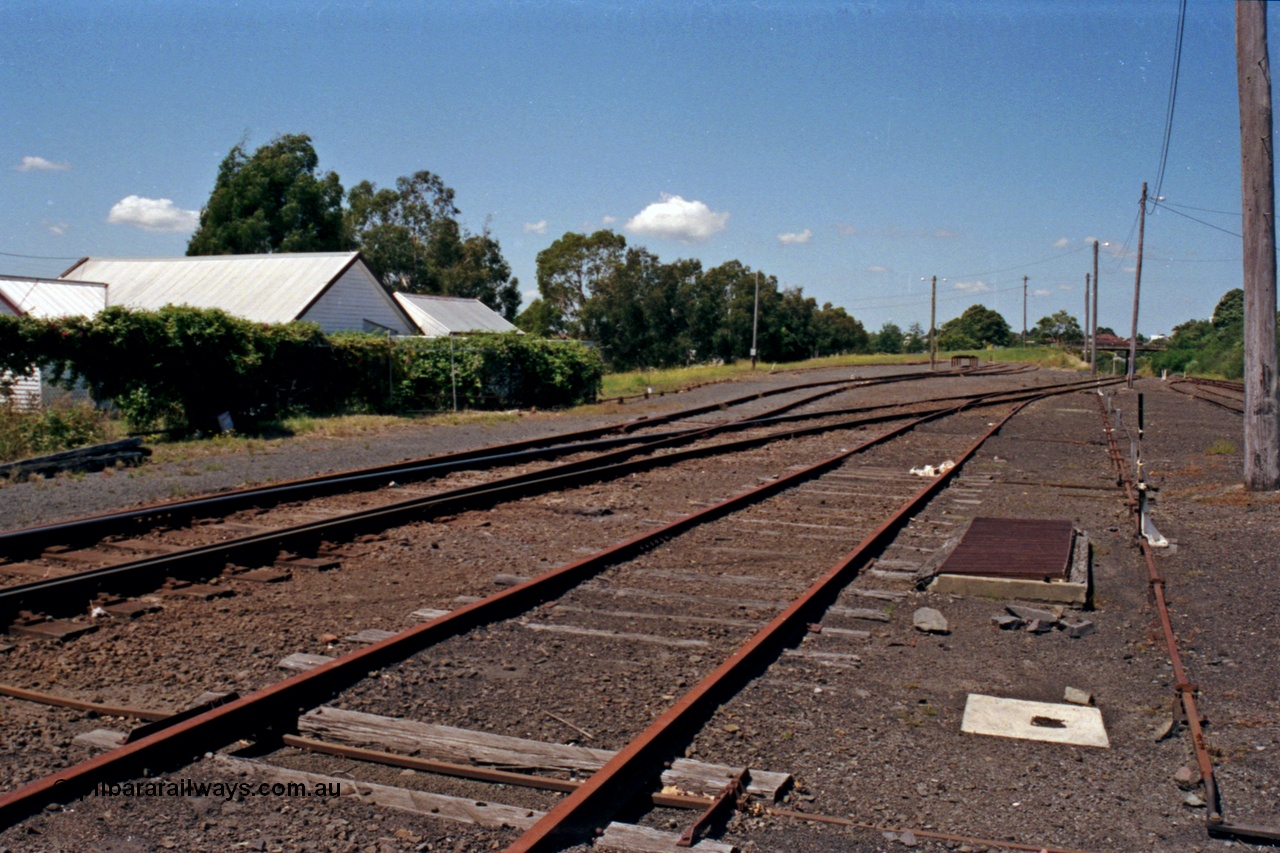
column 1159, row 204
column 1173, row 97
column 43, row 257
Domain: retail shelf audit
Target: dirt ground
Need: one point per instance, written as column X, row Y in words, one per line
column 878, row 742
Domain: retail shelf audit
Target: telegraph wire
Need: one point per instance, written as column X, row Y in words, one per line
column 1236, row 213
column 1201, row 221
column 1173, row 96
column 43, row 257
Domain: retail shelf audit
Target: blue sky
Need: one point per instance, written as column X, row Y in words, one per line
column 853, row 149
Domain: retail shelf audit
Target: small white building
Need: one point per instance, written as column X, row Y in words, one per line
column 46, row 298
column 441, row 316
column 337, row 290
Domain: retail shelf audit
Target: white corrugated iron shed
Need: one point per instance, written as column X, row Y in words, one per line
column 51, row 297
column 438, row 316
column 335, row 289
column 46, row 297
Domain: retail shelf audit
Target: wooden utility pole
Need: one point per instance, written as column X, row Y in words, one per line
column 1086, row 316
column 933, row 320
column 1093, row 350
column 1137, row 286
column 1024, row 311
column 755, row 322
column 1258, row 194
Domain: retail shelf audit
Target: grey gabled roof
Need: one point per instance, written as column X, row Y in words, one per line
column 437, row 316
column 51, row 297
column 273, row 288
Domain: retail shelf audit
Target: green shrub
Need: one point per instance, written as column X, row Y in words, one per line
column 497, row 370
column 24, row 434
column 180, row 367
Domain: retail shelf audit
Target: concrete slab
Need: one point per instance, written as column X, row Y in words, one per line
column 1024, row 720
column 1060, row 592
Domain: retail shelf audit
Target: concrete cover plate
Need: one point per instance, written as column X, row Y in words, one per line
column 1023, row 720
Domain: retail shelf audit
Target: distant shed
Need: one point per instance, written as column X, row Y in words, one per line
column 440, row 316
column 45, row 298
column 337, row 290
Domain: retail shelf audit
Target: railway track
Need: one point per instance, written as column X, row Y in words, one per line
column 1217, row 392
column 267, row 549
column 648, row 613
column 637, row 433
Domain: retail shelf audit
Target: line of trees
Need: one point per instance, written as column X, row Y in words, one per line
column 646, row 313
column 1212, row 346
column 640, row 311
column 277, row 200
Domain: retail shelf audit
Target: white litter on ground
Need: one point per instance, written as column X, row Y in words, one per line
column 1024, row 720
column 933, row 470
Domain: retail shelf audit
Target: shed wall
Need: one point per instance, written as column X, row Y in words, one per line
column 25, row 396
column 354, row 298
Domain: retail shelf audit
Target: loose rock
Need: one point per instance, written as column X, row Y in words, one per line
column 930, row 621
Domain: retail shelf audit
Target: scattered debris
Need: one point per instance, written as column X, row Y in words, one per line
column 930, row 621
column 1006, row 622
column 1076, row 696
column 1186, row 778
column 1078, row 628
column 932, row 470
column 1024, row 720
column 1193, row 801
column 128, row 451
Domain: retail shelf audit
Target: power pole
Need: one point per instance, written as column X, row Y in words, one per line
column 1137, row 286
column 1086, row 316
column 1024, row 311
column 933, row 332
column 1093, row 349
column 755, row 322
column 1253, row 71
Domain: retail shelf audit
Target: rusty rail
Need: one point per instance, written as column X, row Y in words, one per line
column 272, row 710
column 62, row 594
column 589, row 808
column 1184, row 689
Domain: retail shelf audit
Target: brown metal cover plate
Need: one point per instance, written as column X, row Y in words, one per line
column 1034, row 548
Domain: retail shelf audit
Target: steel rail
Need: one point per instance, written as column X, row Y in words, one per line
column 67, row 593
column 691, row 802
column 32, row 540
column 80, row 705
column 91, row 528
column 575, row 818
column 1185, row 690
column 272, row 711
column 1229, row 403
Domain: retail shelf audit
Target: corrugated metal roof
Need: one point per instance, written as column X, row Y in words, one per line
column 263, row 288
column 437, row 316
column 49, row 297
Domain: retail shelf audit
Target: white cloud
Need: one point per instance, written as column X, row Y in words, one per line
column 57, row 229
column 677, row 219
column 539, row 227
column 1041, row 292
column 609, row 221
column 972, row 286
column 792, row 237
column 944, row 234
column 153, row 214
column 877, row 270
column 39, row 164
column 1061, row 243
